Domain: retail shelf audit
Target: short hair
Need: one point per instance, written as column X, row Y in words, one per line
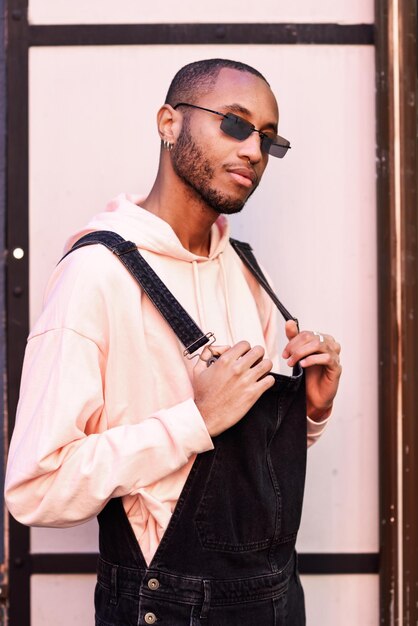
column 198, row 78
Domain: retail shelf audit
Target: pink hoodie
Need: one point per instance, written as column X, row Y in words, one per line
column 106, row 405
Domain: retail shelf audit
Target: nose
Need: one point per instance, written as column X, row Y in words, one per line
column 250, row 148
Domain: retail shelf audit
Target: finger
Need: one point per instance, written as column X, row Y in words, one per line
column 303, row 351
column 215, row 354
column 324, row 341
column 228, row 353
column 261, row 369
column 250, row 359
column 208, row 353
column 306, row 343
column 201, row 363
column 237, row 351
column 291, row 330
column 218, row 350
column 326, row 359
column 265, row 382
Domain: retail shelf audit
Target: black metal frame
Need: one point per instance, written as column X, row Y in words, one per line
column 21, row 37
column 3, row 537
column 2, row 222
column 17, row 274
column 158, row 34
column 397, row 221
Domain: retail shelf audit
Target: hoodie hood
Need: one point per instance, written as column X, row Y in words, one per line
column 125, row 216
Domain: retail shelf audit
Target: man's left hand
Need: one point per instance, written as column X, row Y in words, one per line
column 318, row 354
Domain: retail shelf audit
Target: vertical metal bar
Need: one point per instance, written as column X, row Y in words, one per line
column 2, row 267
column 17, row 289
column 388, row 322
column 398, row 306
column 3, row 427
column 394, row 50
column 407, row 55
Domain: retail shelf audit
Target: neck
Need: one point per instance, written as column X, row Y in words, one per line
column 189, row 217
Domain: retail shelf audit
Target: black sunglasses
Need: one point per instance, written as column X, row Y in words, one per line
column 240, row 129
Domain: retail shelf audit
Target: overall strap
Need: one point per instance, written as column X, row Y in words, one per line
column 170, row 308
column 245, row 253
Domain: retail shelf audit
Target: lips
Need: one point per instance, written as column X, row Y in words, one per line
column 243, row 175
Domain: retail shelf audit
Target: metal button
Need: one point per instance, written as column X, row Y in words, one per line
column 153, row 583
column 150, row 618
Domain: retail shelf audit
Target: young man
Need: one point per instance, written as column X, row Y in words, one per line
column 195, row 466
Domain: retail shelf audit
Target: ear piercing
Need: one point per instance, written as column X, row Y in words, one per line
column 167, row 145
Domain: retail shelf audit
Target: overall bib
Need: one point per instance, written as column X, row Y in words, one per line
column 228, row 555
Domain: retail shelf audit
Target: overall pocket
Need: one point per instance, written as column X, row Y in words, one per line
column 240, row 507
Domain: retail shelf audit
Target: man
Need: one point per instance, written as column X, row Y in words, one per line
column 195, row 466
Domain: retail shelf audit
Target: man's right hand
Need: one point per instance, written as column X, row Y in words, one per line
column 225, row 391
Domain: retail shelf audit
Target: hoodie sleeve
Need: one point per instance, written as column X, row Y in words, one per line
column 65, row 462
column 60, row 472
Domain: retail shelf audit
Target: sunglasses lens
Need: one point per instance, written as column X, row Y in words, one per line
column 277, row 149
column 236, row 127
column 240, row 129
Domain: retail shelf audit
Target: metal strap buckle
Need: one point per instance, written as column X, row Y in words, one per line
column 187, row 352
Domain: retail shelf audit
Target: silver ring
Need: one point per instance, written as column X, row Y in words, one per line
column 321, row 337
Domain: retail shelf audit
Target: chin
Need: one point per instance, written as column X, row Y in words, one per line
column 228, row 205
column 230, row 210
column 221, row 203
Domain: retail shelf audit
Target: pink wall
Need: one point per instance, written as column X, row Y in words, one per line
column 312, row 223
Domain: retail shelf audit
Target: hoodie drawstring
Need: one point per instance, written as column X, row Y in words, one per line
column 199, row 299
column 198, row 294
column 227, row 306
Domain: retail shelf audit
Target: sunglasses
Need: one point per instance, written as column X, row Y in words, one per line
column 238, row 128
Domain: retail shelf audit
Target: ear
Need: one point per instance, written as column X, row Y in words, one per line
column 169, row 122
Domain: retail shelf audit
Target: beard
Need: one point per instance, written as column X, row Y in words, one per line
column 196, row 171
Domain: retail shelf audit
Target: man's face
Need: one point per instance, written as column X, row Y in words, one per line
column 220, row 170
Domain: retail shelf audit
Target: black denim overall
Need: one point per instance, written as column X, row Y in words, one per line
column 228, row 555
